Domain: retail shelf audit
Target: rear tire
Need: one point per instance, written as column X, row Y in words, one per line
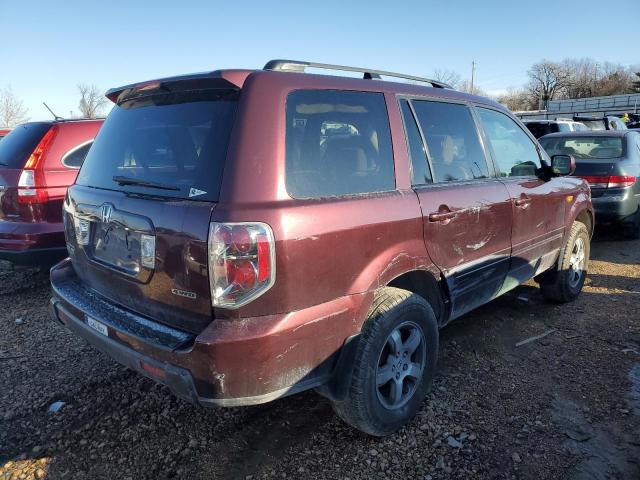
column 563, row 283
column 394, row 363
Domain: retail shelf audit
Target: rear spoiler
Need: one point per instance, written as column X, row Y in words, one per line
column 219, row 79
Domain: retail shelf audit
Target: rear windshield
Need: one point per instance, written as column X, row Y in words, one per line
column 584, row 147
column 171, row 145
column 594, row 124
column 16, row 147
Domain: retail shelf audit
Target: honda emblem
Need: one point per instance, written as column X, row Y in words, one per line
column 106, row 210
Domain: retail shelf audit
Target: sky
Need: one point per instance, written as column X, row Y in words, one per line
column 47, row 47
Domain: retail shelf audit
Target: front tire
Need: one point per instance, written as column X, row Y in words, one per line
column 394, row 363
column 564, row 282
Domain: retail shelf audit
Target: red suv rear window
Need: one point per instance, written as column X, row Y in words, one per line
column 16, row 147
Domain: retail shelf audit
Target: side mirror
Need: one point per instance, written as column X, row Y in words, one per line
column 563, row 165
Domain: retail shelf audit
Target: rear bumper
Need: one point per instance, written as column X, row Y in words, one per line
column 38, row 243
column 231, row 363
column 616, row 208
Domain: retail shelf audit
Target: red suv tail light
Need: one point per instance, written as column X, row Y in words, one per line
column 241, row 262
column 32, row 185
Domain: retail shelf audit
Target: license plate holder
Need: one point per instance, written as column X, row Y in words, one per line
column 98, row 326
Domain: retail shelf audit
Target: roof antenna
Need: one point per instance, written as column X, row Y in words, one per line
column 54, row 115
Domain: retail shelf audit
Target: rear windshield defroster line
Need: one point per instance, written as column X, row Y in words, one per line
column 176, row 142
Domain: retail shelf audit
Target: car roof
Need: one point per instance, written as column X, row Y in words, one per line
column 238, row 78
column 589, row 133
column 63, row 120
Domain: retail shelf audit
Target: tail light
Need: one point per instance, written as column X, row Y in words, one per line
column 621, row 181
column 82, row 229
column 613, row 181
column 241, row 262
column 31, row 184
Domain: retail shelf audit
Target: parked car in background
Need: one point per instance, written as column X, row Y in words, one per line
column 634, row 121
column 4, row 132
column 607, row 122
column 38, row 161
column 544, row 127
column 610, row 162
column 244, row 235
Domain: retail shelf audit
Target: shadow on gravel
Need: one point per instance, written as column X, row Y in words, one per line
column 14, row 280
column 604, row 451
column 614, row 282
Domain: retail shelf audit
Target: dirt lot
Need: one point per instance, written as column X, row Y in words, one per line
column 562, row 407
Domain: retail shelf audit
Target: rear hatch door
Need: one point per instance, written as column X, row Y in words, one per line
column 15, row 149
column 137, row 219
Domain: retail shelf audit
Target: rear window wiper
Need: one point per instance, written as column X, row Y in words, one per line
column 143, row 183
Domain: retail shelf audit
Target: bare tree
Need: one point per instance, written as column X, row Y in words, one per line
column 12, row 110
column 636, row 82
column 92, row 101
column 547, row 80
column 616, row 79
column 465, row 86
column 582, row 77
column 517, row 99
column 447, row 76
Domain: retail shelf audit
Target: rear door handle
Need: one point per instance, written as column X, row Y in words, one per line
column 523, row 202
column 441, row 216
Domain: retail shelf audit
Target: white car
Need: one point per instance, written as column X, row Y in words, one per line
column 540, row 128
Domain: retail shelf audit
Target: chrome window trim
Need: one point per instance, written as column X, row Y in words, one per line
column 74, row 149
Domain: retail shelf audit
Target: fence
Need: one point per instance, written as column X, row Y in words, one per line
column 613, row 105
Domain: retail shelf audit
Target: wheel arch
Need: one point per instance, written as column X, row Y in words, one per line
column 586, row 216
column 427, row 286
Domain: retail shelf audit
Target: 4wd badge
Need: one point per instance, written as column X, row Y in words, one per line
column 183, row 293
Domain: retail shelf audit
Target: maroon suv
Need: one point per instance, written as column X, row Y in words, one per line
column 244, row 235
column 38, row 161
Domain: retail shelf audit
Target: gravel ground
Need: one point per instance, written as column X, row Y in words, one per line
column 565, row 406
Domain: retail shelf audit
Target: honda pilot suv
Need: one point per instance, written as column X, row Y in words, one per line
column 240, row 236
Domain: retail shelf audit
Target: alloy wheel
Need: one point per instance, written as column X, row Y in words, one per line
column 577, row 262
column 400, row 365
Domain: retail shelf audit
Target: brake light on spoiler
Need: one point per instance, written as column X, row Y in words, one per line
column 609, row 181
column 241, row 262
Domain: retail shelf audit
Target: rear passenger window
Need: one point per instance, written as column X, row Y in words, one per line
column 75, row 156
column 514, row 152
column 452, row 141
column 420, row 173
column 338, row 143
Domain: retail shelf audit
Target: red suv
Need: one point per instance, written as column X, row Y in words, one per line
column 4, row 132
column 242, row 235
column 38, row 161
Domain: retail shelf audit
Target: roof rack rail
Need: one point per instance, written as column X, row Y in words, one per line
column 368, row 73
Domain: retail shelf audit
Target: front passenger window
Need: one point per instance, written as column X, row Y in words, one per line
column 514, row 152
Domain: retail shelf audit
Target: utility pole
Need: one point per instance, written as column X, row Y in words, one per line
column 473, row 73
